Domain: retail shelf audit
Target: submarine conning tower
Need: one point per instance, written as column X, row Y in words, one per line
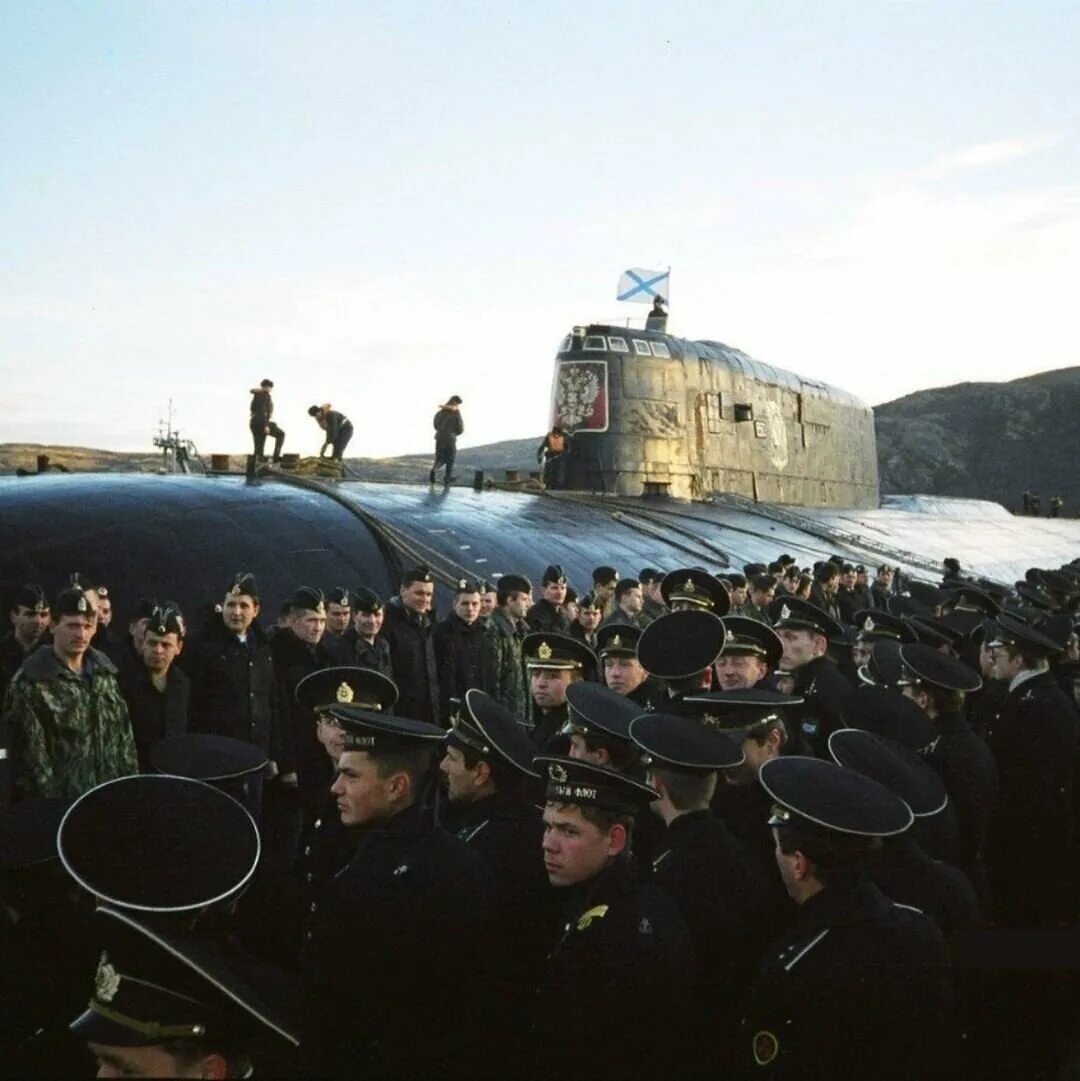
column 652, row 414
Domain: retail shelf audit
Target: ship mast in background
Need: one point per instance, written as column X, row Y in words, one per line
column 177, row 455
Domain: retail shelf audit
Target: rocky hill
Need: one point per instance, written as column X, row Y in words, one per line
column 986, row 440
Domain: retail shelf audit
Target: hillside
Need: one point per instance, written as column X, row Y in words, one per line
column 985, row 440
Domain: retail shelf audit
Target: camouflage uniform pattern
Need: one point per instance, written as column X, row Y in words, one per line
column 501, row 666
column 68, row 733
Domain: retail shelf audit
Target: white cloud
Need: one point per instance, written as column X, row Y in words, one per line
column 987, row 155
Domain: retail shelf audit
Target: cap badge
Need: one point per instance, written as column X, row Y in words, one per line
column 868, row 624
column 106, row 980
column 785, row 612
column 235, row 591
column 320, row 608
column 557, row 772
column 462, row 583
column 710, row 720
column 689, row 587
column 83, row 605
column 544, row 651
column 344, row 693
column 616, row 641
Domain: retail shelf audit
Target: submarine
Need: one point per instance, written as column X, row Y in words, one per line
column 692, row 455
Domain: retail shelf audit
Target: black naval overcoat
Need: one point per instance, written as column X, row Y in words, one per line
column 857, row 989
column 611, row 999
column 233, row 692
column 826, row 692
column 155, row 715
column 364, row 654
column 709, row 876
column 459, row 649
column 391, row 948
column 545, row 616
column 413, row 664
column 1033, row 739
column 905, row 873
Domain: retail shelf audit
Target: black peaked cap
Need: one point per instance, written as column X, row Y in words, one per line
column 152, row 987
column 1010, row 631
column 541, row 649
column 485, row 727
column 738, row 712
column 31, row 596
column 874, row 625
column 371, row 731
column 617, row 640
column 347, row 685
column 571, row 780
column 751, row 636
column 924, row 664
column 681, row 644
column 683, row 743
column 899, row 769
column 594, row 708
column 159, row 843
column 204, row 756
column 832, row 797
column 697, row 587
column 887, row 712
column 884, row 669
column 798, row 614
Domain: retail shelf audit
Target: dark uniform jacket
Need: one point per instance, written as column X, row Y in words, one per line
column 412, row 660
column 611, row 999
column 459, row 650
column 545, row 616
column 970, row 775
column 848, row 602
column 905, row 873
column 11, row 658
column 233, row 692
column 364, row 654
column 857, row 989
column 302, row 753
column 708, row 875
column 578, row 631
column 391, row 949
column 1033, row 739
column 155, row 715
column 880, row 595
column 546, row 732
column 448, row 425
column 826, row 692
column 649, row 694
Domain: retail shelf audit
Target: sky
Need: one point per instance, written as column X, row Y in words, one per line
column 383, row 205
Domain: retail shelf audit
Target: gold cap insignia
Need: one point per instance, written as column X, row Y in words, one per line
column 868, row 624
column 235, row 591
column 544, row 651
column 557, row 772
column 83, row 604
column 344, row 693
column 785, row 612
column 616, row 642
column 106, row 980
column 689, row 587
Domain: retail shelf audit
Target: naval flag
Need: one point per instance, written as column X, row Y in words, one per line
column 640, row 286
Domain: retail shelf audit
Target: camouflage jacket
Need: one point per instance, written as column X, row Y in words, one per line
column 68, row 733
column 502, row 672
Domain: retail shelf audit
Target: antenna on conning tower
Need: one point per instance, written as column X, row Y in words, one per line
column 177, row 454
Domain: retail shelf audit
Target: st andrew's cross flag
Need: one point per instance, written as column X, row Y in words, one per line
column 640, row 286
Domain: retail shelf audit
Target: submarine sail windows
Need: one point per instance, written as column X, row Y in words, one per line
column 641, row 348
column 595, row 343
column 744, row 411
column 618, row 345
column 660, row 349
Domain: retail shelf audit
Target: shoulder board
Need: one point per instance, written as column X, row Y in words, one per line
column 595, row 913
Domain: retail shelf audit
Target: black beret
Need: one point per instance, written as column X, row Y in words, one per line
column 159, row 843
column 552, row 574
column 649, row 574
column 681, row 644
column 834, row 798
column 72, row 602
column 574, row 781
column 243, row 584
column 605, row 575
column 684, row 744
column 589, row 601
column 366, row 600
column 513, row 583
column 897, row 767
column 166, row 619
column 143, row 609
column 468, row 585
column 308, row 599
column 417, row 574
column 31, row 596
column 340, row 595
